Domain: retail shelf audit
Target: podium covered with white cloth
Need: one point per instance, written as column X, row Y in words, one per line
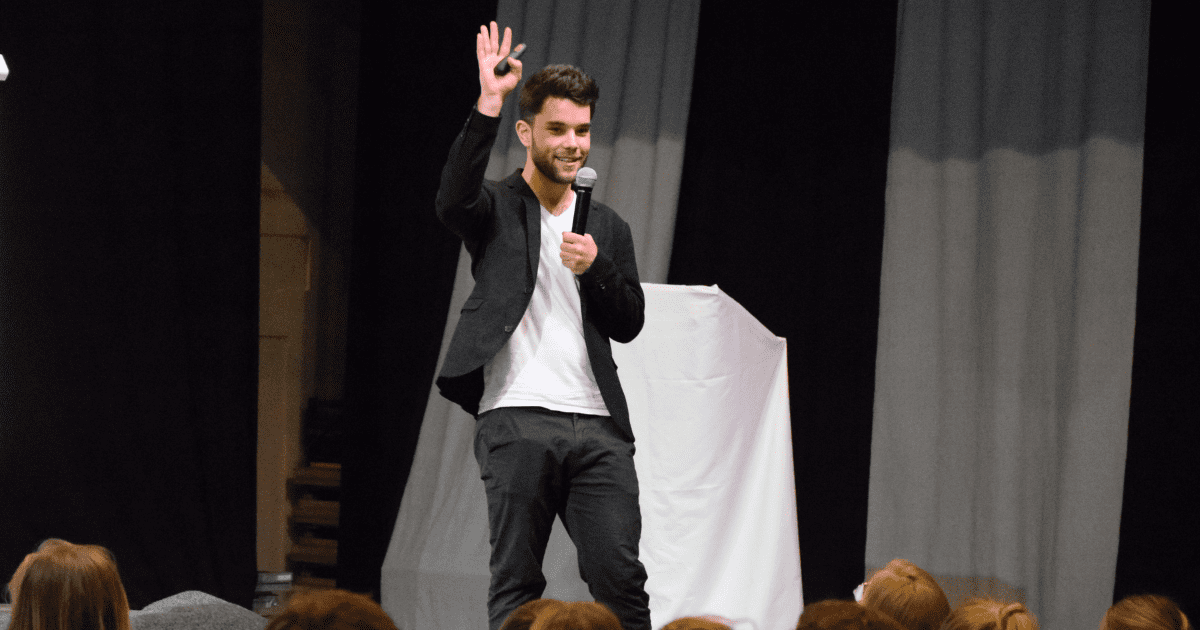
column 707, row 391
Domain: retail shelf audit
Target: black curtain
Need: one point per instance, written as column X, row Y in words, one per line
column 129, row 187
column 418, row 84
column 782, row 206
column 1160, row 523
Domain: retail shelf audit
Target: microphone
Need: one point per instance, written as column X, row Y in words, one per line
column 584, row 180
column 502, row 68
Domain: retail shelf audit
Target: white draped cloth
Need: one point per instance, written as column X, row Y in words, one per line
column 707, row 391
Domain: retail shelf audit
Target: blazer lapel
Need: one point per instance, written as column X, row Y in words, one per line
column 533, row 237
column 533, row 226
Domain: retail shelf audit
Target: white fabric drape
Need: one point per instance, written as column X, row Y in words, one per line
column 1007, row 298
column 707, row 391
column 708, row 398
column 641, row 54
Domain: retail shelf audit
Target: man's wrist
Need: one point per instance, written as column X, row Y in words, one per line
column 490, row 104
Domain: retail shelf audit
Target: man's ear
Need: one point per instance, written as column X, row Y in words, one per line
column 524, row 132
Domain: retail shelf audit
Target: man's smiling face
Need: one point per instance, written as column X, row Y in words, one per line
column 560, row 138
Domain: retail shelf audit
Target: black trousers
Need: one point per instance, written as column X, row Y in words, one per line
column 537, row 464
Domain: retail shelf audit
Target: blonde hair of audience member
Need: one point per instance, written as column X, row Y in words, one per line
column 523, row 617
column 332, row 609
column 1145, row 612
column 576, row 616
column 989, row 614
column 64, row 586
column 908, row 594
column 696, row 623
column 837, row 614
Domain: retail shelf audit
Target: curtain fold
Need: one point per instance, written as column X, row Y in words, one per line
column 1007, row 299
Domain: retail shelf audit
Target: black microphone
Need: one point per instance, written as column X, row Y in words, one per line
column 584, row 180
column 502, row 68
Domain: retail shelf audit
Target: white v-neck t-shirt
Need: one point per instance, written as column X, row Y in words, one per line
column 545, row 361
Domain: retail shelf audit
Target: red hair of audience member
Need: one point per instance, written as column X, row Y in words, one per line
column 332, row 609
column 577, row 616
column 696, row 623
column 837, row 614
column 989, row 614
column 908, row 594
column 1145, row 612
column 523, row 617
column 63, row 586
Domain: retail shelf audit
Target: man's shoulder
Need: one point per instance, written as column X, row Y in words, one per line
column 513, row 185
column 605, row 211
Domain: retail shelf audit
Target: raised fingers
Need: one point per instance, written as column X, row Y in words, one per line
column 505, row 46
column 488, row 43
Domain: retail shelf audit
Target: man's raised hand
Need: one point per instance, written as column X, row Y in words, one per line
column 490, row 50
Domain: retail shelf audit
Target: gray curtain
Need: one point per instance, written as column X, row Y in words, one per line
column 1007, row 298
column 641, row 54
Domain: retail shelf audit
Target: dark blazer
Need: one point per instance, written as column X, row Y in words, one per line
column 500, row 224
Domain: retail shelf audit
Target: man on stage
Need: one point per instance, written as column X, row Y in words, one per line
column 530, row 357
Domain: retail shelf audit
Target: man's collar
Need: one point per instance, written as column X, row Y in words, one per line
column 518, row 183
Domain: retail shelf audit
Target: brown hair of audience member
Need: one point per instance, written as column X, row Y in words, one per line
column 523, row 617
column 696, row 623
column 1145, row 612
column 577, row 616
column 332, row 609
column 64, row 586
column 837, row 614
column 908, row 594
column 988, row 614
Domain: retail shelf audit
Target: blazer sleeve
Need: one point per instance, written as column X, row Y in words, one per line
column 615, row 301
column 463, row 203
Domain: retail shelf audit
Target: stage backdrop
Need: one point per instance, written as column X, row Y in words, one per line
column 707, row 391
column 129, row 221
column 1007, row 299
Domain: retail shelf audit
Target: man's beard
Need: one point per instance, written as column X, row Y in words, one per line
column 544, row 162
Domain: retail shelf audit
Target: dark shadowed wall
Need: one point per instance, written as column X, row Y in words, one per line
column 129, row 187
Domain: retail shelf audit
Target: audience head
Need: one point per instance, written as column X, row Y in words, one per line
column 696, row 623
column 908, row 594
column 523, row 617
column 576, row 616
column 836, row 614
column 989, row 614
column 63, row 586
column 332, row 609
column 1145, row 612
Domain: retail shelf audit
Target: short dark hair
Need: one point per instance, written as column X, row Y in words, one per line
column 562, row 81
column 572, row 615
column 837, row 614
column 523, row 617
column 908, row 594
column 1145, row 612
column 331, row 609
